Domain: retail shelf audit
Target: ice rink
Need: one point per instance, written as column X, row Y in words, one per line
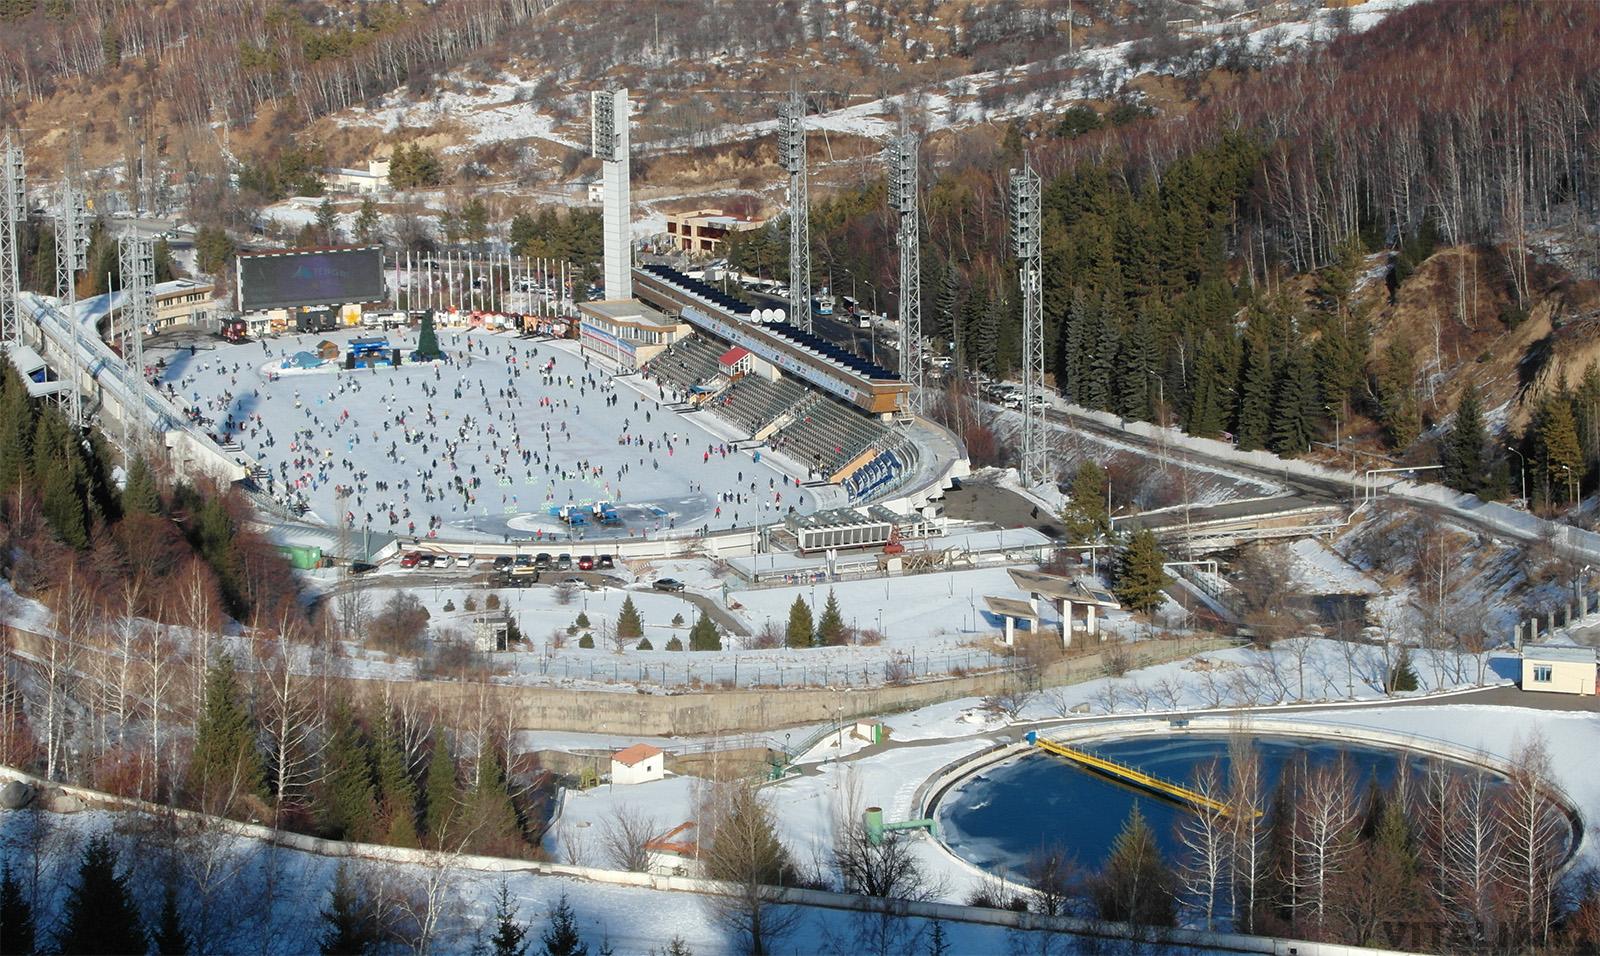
column 479, row 446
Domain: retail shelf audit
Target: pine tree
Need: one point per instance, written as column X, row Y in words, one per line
column 347, row 920
column 16, row 432
column 628, row 623
column 938, row 943
column 1462, row 455
column 327, row 222
column 225, row 765
column 347, row 806
column 139, row 494
column 1255, row 395
column 1296, row 409
column 798, row 633
column 1139, row 578
column 1404, row 676
column 830, row 628
column 366, row 220
column 703, row 636
column 16, row 916
column 427, row 339
column 1397, row 399
column 397, row 793
column 170, row 938
column 1557, row 449
column 561, row 938
column 944, row 305
column 1085, row 515
column 510, row 936
column 494, row 818
column 1135, row 885
column 100, row 915
column 442, row 791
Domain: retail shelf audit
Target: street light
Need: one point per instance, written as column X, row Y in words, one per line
column 1524, row 473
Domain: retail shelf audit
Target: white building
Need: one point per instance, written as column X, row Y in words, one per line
column 375, row 178
column 1558, row 669
column 675, row 853
column 640, row 763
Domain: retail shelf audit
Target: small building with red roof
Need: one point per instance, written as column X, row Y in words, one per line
column 640, row 763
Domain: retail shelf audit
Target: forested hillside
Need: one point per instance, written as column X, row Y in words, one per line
column 1215, row 268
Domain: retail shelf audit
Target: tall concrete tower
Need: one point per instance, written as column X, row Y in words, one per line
column 608, row 142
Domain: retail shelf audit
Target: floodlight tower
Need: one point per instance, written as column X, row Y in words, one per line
column 608, row 142
column 792, row 157
column 13, row 211
column 1025, row 227
column 902, row 155
column 136, row 259
column 72, row 257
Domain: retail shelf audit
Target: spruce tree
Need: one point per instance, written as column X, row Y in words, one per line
column 1135, row 885
column 1397, row 398
column 510, row 936
column 703, row 636
column 347, row 806
column 493, row 817
column 1139, row 578
column 139, row 494
column 100, row 915
column 1296, row 409
column 427, row 339
column 16, row 433
column 348, row 925
column 798, row 633
column 561, row 938
column 628, row 622
column 1462, row 455
column 1255, row 396
column 830, row 627
column 1404, row 677
column 1558, row 451
column 397, row 793
column 170, row 938
column 442, row 791
column 225, row 765
column 1085, row 515
column 16, row 916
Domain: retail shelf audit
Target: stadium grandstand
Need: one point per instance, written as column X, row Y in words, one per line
column 799, row 394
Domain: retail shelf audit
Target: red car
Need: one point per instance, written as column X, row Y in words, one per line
column 586, row 563
column 411, row 559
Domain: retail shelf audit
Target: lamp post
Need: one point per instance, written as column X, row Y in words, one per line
column 1524, row 462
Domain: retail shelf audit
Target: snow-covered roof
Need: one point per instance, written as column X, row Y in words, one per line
column 1559, row 653
column 174, row 286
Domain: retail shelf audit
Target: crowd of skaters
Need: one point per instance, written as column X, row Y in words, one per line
column 463, row 467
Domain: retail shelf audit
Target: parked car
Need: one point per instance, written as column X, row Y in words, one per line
column 564, row 562
column 427, row 561
column 542, row 561
column 586, row 563
column 668, row 584
column 410, row 559
column 502, row 562
column 361, row 567
column 526, row 561
column 466, row 560
column 606, row 562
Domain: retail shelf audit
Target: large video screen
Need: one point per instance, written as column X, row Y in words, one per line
column 290, row 279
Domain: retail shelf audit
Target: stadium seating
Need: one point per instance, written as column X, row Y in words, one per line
column 753, row 402
column 828, row 435
column 686, row 364
column 699, row 289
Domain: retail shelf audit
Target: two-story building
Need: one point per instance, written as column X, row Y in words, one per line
column 375, row 178
column 705, row 231
column 627, row 332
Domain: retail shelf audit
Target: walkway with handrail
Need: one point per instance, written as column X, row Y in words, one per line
column 1160, row 786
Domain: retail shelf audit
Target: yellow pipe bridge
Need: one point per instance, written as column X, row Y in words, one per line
column 1134, row 776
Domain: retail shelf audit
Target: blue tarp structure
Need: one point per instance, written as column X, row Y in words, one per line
column 302, row 360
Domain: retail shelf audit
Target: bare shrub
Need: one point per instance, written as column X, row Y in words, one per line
column 399, row 627
column 623, row 836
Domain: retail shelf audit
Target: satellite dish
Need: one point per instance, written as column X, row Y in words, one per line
column 778, row 315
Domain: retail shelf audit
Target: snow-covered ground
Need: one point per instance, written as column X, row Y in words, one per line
column 400, row 440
